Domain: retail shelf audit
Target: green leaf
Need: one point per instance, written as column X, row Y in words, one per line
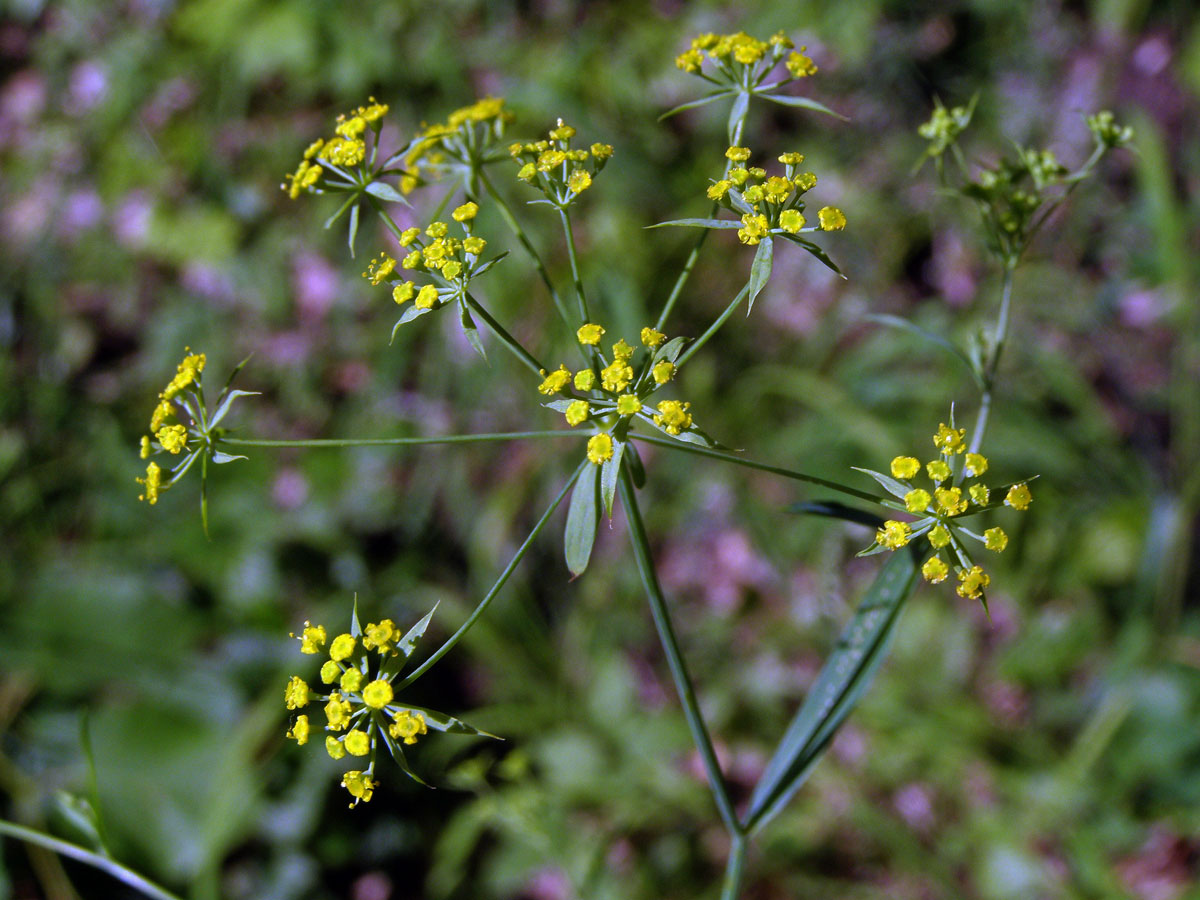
column 609, row 472
column 703, row 101
column 803, row 103
column 582, row 518
column 760, row 270
column 220, row 457
column 944, row 343
column 355, row 627
column 385, row 191
column 470, row 331
column 439, row 721
column 889, row 484
column 737, row 113
column 558, row 405
column 332, row 220
column 353, row 233
column 226, row 401
column 815, row 251
column 835, row 510
column 398, row 755
column 409, row 642
column 479, row 270
column 698, row 223
column 411, row 313
column 670, row 350
column 841, row 683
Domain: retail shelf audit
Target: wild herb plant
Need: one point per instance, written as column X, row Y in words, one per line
column 617, row 394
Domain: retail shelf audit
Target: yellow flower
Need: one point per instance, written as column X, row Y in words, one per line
column 585, row 380
column 555, row 381
column 437, row 230
column 162, row 412
column 905, row 467
column 719, row 189
column 673, row 416
column 652, row 338
column 949, row 440
column 577, row 412
column 334, row 747
column 975, row 465
column 381, row 637
column 995, row 539
column 1018, row 497
column 601, row 152
column 950, row 501
column 330, row 671
column 689, row 61
column 590, row 334
column 173, row 438
column 616, row 376
column 312, row 638
column 152, row 483
column 351, row 680
column 403, row 292
column 777, row 189
column 934, row 570
column 360, row 786
column 791, row 159
column 426, row 297
column 938, row 470
column 622, row 350
column 628, row 405
column 791, row 220
column 579, row 181
column 474, row 245
column 754, row 229
column 406, row 725
column 805, row 181
column 466, row 212
column 972, row 582
column 799, row 65
column 737, row 154
column 144, row 447
column 412, row 260
column 342, row 647
column 663, row 371
column 939, row 537
column 295, row 695
column 916, row 501
column 378, row 694
column 832, row 218
column 893, row 534
column 527, row 172
column 337, row 712
column 357, row 743
column 299, row 731
column 979, row 493
column 599, row 448
column 379, row 269
column 408, row 235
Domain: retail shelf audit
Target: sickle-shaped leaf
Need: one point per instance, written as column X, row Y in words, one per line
column 582, row 518
column 842, row 682
column 760, row 270
column 803, row 103
column 411, row 313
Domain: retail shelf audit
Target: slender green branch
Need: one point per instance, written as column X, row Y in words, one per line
column 495, row 589
column 510, row 219
column 123, row 874
column 666, row 634
column 989, row 376
column 398, row 442
column 714, row 327
column 733, row 869
column 505, row 338
column 697, row 450
column 584, row 316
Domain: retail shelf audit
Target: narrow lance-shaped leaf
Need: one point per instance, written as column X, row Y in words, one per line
column 760, row 271
column 582, row 519
column 887, row 482
column 905, row 325
column 385, row 191
column 353, row 231
column 803, row 103
column 609, row 471
column 355, row 627
column 698, row 223
column 737, row 113
column 398, row 755
column 840, row 685
column 409, row 642
column 470, row 331
column 816, row 251
column 703, row 101
column 413, row 312
column 633, row 461
column 440, row 721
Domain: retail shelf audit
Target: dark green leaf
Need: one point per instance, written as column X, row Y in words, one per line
column 470, row 331
column 398, row 755
column 760, row 270
column 671, row 349
column 889, row 484
column 439, row 721
column 479, row 270
column 582, row 518
column 803, row 103
column 842, row 682
column 835, row 510
column 814, row 250
column 409, row 642
column 385, row 191
column 699, row 223
column 609, row 472
column 411, row 313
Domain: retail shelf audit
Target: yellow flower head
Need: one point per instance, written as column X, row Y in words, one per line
column 351, row 680
column 628, row 405
column 934, row 570
column 577, row 412
column 622, row 350
column 585, row 380
column 950, row 501
column 949, row 440
column 616, row 376
column 832, row 218
column 407, row 725
column 791, row 220
column 378, row 694
column 466, row 212
column 939, row 537
column 295, row 695
column 379, row 269
column 144, row 447
column 299, row 731
column 689, row 61
column 652, row 338
column 555, row 381
column 791, row 159
column 590, row 334
column 357, row 743
column 403, row 292
column 579, row 181
column 1018, row 497
column 342, row 647
column 152, row 483
column 330, row 671
column 337, row 712
column 162, row 412
column 426, row 297
column 717, row 190
column 938, row 470
column 975, row 465
column 474, row 245
column 972, row 581
column 663, row 371
column 334, row 747
column 799, row 65
column 905, row 467
column 673, row 416
column 599, row 448
column 312, row 638
column 737, row 154
column 916, row 501
column 979, row 494
column 995, row 539
column 173, row 438
column 360, row 786
column 893, row 534
column 381, row 637
column 754, row 229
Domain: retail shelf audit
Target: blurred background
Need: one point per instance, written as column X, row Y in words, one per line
column 1049, row 752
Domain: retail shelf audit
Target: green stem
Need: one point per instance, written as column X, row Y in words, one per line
column 579, row 294
column 495, row 589
column 697, row 450
column 734, row 868
column 714, row 327
column 666, row 634
column 397, row 442
column 989, row 377
column 505, row 338
column 506, row 213
column 74, row 851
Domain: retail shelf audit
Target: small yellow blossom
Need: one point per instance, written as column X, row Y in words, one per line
column 652, row 338
column 437, row 230
column 791, row 159
column 995, row 539
column 622, row 350
column 975, row 465
column 689, row 61
column 939, row 537
column 754, row 229
column 719, row 189
column 673, row 416
column 555, row 381
column 832, row 218
column 403, row 292
column 295, row 695
column 599, row 448
column 905, row 467
column 916, row 501
column 601, row 152
column 527, row 172
column 412, row 260
column 466, row 212
column 173, row 438
column 378, row 694
column 381, row 637
column 360, row 786
column 949, row 440
column 628, row 405
column 351, row 680
column 426, row 297
column 585, row 380
column 334, row 747
column 579, row 181
column 1018, row 497
column 337, row 712
column 972, row 582
column 451, row 270
column 407, row 725
column 342, row 647
column 938, row 470
column 144, row 447
column 299, row 731
column 330, row 671
column 408, row 235
column 616, row 376
column 800, row 65
column 663, row 371
column 577, row 412
column 590, row 334
column 979, row 494
column 357, row 743
column 312, row 638
column 950, row 501
column 805, row 182
column 474, row 245
column 791, row 220
column 737, row 154
column 893, row 534
column 379, row 269
column 934, row 570
column 162, row 412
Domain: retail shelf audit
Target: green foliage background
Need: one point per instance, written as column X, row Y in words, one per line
column 1049, row 752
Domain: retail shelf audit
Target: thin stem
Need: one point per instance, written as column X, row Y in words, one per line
column 989, row 377
column 505, row 338
column 697, row 450
column 123, row 874
column 733, row 869
column 506, row 213
column 666, row 635
column 397, row 442
column 579, row 294
column 495, row 589
column 714, row 327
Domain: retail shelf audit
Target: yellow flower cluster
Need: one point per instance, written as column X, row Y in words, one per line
column 613, row 392
column 729, row 52
column 462, row 141
column 346, row 147
column 435, row 253
column 166, row 434
column 770, row 205
column 558, row 171
column 941, row 505
column 359, row 709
